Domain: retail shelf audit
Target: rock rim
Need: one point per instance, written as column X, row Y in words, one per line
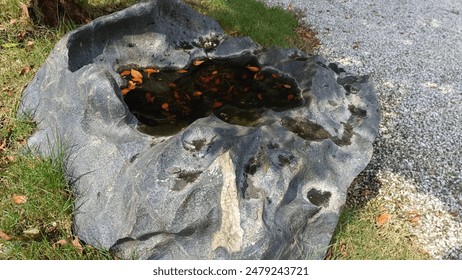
column 214, row 190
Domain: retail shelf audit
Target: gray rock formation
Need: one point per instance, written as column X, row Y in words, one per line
column 261, row 173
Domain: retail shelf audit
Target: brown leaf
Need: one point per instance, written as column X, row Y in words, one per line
column 138, row 80
column 165, row 106
column 275, row 76
column 77, row 245
column 413, row 216
column 198, row 62
column 259, row 76
column 24, row 70
column 25, row 10
column 149, row 97
column 19, row 199
column 253, row 68
column 149, row 71
column 217, row 104
column 125, row 91
column 171, row 85
column 197, row 93
column 131, row 85
column 60, row 243
column 4, row 236
column 290, row 97
column 3, row 144
column 125, row 73
column 382, row 219
column 182, row 71
column 287, row 86
column 136, row 74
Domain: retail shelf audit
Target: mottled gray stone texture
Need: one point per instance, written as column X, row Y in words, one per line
column 213, row 190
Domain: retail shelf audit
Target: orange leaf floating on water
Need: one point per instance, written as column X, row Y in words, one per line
column 259, row 76
column 217, row 104
column 215, row 72
column 19, row 199
column 149, row 97
column 275, row 76
column 171, row 85
column 287, row 86
column 197, row 93
column 131, row 85
column 165, row 106
column 290, row 97
column 138, row 80
column 149, row 71
column 382, row 219
column 182, row 71
column 136, row 74
column 125, row 73
column 253, row 68
column 198, row 62
column 125, row 91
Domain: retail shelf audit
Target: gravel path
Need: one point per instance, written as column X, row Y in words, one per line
column 413, row 51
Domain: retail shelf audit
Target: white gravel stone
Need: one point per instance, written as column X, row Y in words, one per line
column 412, row 50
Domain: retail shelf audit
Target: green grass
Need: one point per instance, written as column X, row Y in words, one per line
column 357, row 237
column 49, row 208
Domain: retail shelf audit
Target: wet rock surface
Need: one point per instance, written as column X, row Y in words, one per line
column 258, row 174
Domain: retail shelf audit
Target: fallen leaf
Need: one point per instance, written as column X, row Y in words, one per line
column 131, row 85
column 125, row 73
column 60, row 243
column 413, row 216
column 253, row 68
column 149, row 97
column 259, row 96
column 290, row 97
column 165, row 106
column 182, row 71
column 171, row 85
column 198, row 62
column 149, row 71
column 275, row 76
column 30, row 43
column 217, row 104
column 125, row 91
column 197, row 93
column 25, row 10
column 382, row 219
column 287, row 86
column 259, row 76
column 214, row 72
column 343, row 249
column 4, row 236
column 77, row 245
column 19, row 199
column 24, row 70
column 3, row 145
column 137, row 80
column 31, row 232
column 136, row 74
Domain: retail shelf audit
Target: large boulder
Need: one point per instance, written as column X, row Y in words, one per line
column 259, row 171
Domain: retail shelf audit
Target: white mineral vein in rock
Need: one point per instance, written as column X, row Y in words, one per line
column 230, row 234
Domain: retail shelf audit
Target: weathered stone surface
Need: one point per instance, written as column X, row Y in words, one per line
column 214, row 190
